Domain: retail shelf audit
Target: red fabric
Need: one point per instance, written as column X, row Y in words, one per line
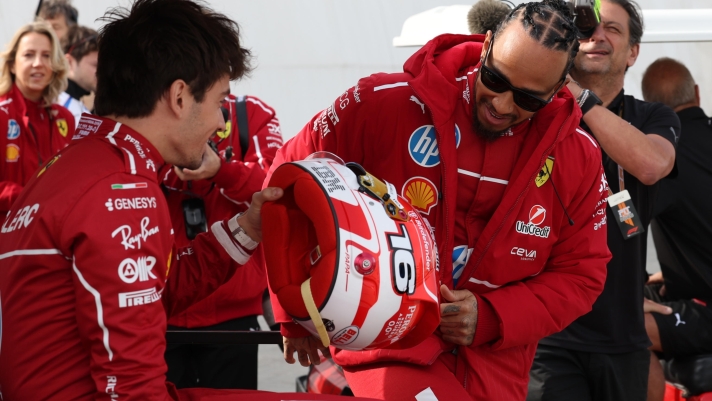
column 530, row 297
column 84, row 266
column 227, row 194
column 24, row 153
column 204, row 394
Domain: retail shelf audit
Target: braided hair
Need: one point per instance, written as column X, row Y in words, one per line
column 550, row 22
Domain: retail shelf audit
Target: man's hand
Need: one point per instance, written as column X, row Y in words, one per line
column 657, row 278
column 654, row 307
column 459, row 317
column 573, row 86
column 306, row 348
column 251, row 220
column 209, row 166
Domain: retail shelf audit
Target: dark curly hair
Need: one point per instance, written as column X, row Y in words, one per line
column 550, row 22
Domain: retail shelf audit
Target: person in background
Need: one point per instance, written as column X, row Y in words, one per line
column 603, row 355
column 221, row 188
column 682, row 228
column 81, row 50
column 485, row 15
column 32, row 128
column 60, row 14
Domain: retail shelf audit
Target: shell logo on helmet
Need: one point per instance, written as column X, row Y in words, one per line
column 342, row 246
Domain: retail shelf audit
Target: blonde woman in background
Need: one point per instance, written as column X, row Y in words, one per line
column 32, row 129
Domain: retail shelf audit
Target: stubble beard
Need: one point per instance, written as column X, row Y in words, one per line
column 481, row 131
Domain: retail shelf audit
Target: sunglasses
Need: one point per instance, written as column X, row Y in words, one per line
column 527, row 101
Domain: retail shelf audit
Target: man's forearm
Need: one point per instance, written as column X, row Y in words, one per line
column 647, row 157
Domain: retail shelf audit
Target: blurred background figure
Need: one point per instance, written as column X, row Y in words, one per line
column 220, row 188
column 81, row 50
column 60, row 15
column 682, row 228
column 32, row 129
column 485, row 15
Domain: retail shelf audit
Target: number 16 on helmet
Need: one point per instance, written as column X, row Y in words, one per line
column 349, row 259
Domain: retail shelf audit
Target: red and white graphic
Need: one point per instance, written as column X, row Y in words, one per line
column 537, row 214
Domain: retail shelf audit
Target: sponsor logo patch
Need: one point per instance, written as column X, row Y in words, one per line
column 130, row 203
column 12, row 153
column 62, row 127
column 421, row 193
column 228, row 130
column 524, row 254
column 423, row 145
column 345, row 336
column 460, row 256
column 537, row 215
column 130, row 241
column 13, row 129
column 140, row 269
column 136, row 298
column 87, row 125
column 545, row 172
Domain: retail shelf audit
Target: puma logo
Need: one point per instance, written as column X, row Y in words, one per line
column 418, row 102
column 679, row 321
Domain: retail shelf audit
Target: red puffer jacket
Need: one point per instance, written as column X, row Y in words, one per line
column 225, row 195
column 532, row 272
column 29, row 136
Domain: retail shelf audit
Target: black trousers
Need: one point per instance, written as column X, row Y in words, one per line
column 562, row 374
column 215, row 366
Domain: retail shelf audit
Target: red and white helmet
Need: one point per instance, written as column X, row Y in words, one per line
column 349, row 259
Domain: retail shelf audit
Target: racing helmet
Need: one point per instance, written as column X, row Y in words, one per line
column 348, row 259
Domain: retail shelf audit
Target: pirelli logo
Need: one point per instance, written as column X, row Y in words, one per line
column 136, row 298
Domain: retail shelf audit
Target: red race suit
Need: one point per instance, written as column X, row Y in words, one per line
column 89, row 271
column 225, row 195
column 30, row 135
column 501, row 228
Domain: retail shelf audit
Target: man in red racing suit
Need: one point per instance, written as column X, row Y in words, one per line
column 519, row 215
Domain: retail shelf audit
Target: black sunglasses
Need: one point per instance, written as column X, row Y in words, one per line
column 527, row 101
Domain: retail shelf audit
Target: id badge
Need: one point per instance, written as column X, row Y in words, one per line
column 625, row 214
column 194, row 216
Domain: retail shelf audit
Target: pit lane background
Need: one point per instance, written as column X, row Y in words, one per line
column 307, row 52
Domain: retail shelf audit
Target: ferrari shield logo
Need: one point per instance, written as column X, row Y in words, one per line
column 226, row 133
column 62, row 127
column 545, row 172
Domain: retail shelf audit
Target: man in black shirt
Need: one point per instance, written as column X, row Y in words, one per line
column 81, row 49
column 603, row 355
column 682, row 227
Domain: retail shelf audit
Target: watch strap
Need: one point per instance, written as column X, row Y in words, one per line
column 239, row 233
column 587, row 99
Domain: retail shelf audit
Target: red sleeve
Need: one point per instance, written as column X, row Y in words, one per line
column 121, row 258
column 574, row 273
column 239, row 179
column 9, row 191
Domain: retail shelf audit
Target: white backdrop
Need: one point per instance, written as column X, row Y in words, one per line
column 307, row 52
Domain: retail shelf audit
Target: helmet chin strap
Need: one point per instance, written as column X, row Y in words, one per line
column 314, row 312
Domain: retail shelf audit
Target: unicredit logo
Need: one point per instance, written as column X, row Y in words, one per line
column 537, row 215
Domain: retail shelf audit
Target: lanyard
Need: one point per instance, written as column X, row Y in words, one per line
column 621, row 171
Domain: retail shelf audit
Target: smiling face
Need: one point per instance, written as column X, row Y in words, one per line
column 202, row 121
column 32, row 67
column 516, row 57
column 608, row 51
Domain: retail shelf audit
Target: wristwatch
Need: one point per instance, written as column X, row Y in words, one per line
column 587, row 99
column 239, row 233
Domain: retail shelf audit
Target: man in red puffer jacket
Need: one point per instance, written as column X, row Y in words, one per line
column 479, row 135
